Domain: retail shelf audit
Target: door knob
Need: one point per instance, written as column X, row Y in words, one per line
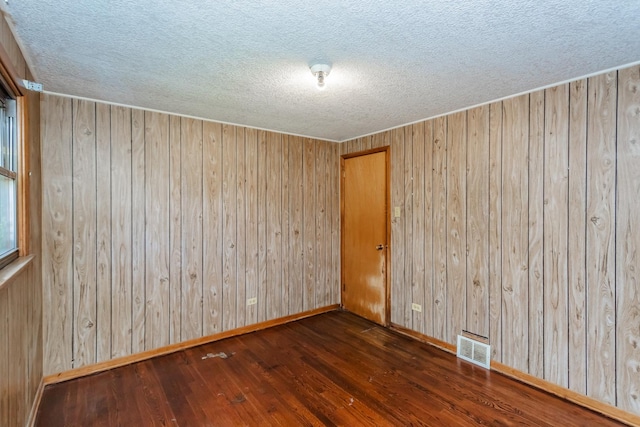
column 380, row 247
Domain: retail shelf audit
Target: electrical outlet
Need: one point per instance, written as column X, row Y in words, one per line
column 416, row 307
column 396, row 212
column 252, row 301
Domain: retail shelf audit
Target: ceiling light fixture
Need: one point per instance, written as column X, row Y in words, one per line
column 320, row 71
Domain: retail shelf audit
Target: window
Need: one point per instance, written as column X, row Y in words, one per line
column 8, row 180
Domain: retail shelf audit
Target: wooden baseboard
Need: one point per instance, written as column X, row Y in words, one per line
column 138, row 357
column 35, row 405
column 544, row 385
column 442, row 345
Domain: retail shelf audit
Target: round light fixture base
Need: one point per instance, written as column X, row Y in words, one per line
column 320, row 71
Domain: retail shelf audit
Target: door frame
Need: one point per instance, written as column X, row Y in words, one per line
column 387, row 249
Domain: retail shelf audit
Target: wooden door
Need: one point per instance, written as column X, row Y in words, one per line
column 365, row 201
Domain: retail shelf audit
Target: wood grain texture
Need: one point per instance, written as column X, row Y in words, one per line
column 518, row 260
column 175, row 230
column 192, row 242
column 261, row 287
column 440, row 252
column 515, row 244
column 157, row 234
column 536, row 233
column 177, row 222
column 323, row 370
column 308, row 179
column 241, row 238
column 138, row 219
column 321, row 207
column 495, row 230
column 103, row 232
column 456, row 225
column 286, row 226
column 251, row 287
column 555, row 231
column 273, row 299
column 417, row 250
column 212, row 224
column 398, row 294
column 121, row 232
column 84, row 231
column 601, row 211
column 477, row 194
column 556, row 234
column 21, row 293
column 57, row 255
column 21, row 345
column 335, row 225
column 407, row 213
column 229, row 228
column 576, row 258
column 428, row 229
column 627, row 241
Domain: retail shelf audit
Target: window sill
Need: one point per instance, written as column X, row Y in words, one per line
column 13, row 270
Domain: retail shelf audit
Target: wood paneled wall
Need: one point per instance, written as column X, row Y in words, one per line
column 520, row 222
column 20, row 346
column 21, row 296
column 159, row 228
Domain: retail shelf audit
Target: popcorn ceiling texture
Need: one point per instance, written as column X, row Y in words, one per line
column 247, row 62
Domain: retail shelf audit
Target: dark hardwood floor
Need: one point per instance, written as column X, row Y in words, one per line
column 331, row 369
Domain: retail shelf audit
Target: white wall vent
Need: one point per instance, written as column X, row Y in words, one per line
column 474, row 351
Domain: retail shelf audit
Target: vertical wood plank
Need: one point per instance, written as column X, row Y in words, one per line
column 274, row 224
column 309, row 219
column 536, row 233
column 263, row 177
column 556, row 353
column 627, row 241
column 212, row 238
column 321, row 215
column 495, row 230
column 440, row 228
column 398, row 293
column 428, row 230
column 285, row 227
column 157, row 235
column 241, row 228
column 138, row 218
column 229, row 228
column 103, row 232
column 328, row 190
column 251, row 148
column 477, row 181
column 335, row 225
column 5, row 357
column 121, row 231
column 601, row 213
column 175, row 230
column 515, row 226
column 407, row 213
column 84, row 232
column 418, row 236
column 296, row 243
column 191, row 192
column 456, row 225
column 57, row 256
column 577, row 237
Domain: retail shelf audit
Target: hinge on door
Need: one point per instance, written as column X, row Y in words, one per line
column 344, row 287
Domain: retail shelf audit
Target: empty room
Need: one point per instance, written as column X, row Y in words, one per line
column 319, row 213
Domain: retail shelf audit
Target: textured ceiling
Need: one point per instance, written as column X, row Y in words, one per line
column 247, row 62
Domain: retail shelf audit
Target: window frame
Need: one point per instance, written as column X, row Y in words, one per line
column 13, row 85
